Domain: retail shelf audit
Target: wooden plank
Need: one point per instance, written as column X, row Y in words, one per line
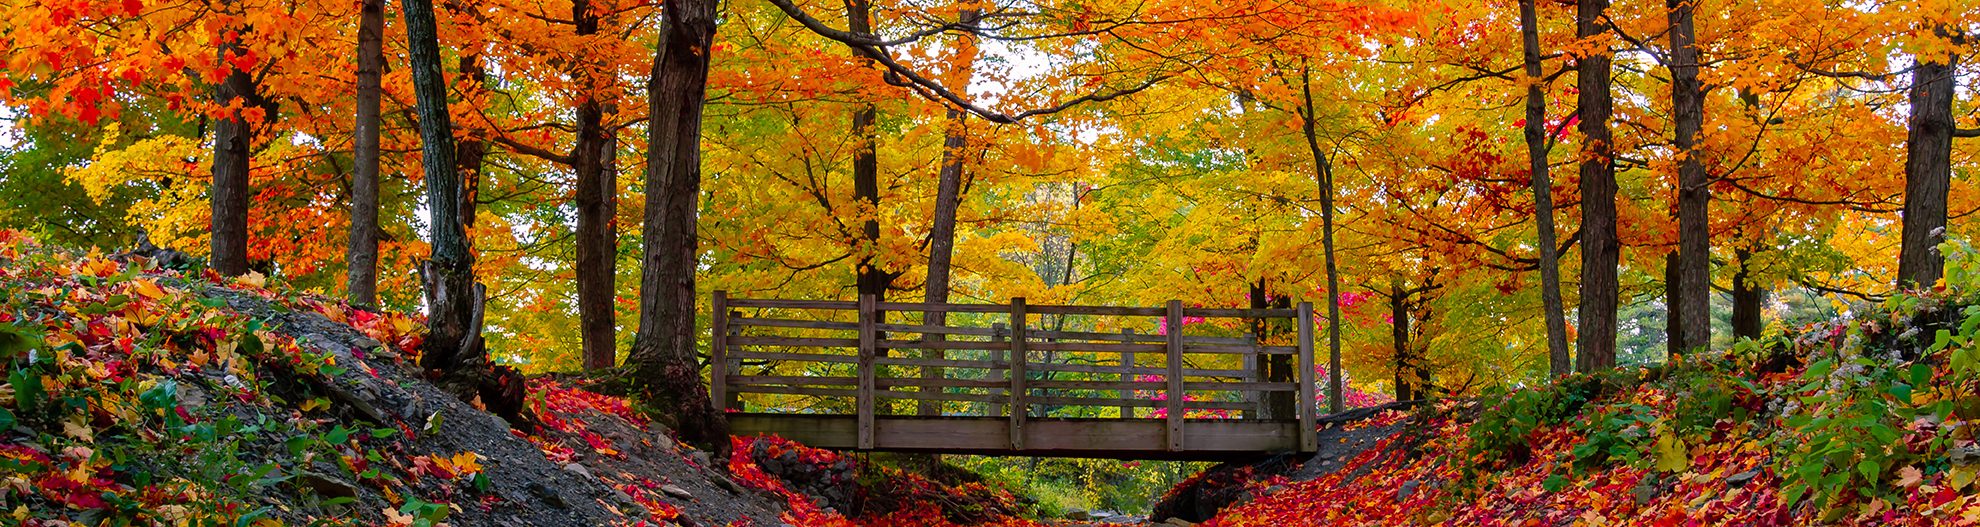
column 1309, row 439
column 1139, row 370
column 1097, row 310
column 1246, row 386
column 867, row 316
column 1174, row 323
column 935, row 329
column 1103, row 385
column 798, row 390
column 1126, row 336
column 1211, row 440
column 794, row 342
column 793, row 323
column 791, row 380
column 940, row 396
column 1019, row 407
column 1244, row 349
column 942, row 345
column 718, row 357
column 940, row 308
column 1127, row 363
column 1239, row 313
column 793, row 304
column 945, row 363
column 998, row 371
column 944, row 383
column 795, row 357
column 1095, row 347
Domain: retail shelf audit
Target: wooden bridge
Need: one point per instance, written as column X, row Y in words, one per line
column 1167, row 382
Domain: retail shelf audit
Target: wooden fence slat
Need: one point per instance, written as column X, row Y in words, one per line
column 940, row 396
column 1139, row 370
column 945, row 363
column 1019, row 406
column 940, row 308
column 795, row 357
column 934, row 330
column 1309, row 439
column 1175, row 393
column 1095, row 347
column 792, row 323
column 999, row 368
column 1153, row 386
column 1095, row 336
column 718, row 357
column 791, row 380
column 941, row 345
column 793, row 304
column 1242, row 349
column 1043, row 309
column 1239, row 313
column 867, row 314
column 801, row 390
column 1127, row 363
column 796, row 342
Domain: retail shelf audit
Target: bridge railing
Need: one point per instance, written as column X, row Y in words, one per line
column 1016, row 361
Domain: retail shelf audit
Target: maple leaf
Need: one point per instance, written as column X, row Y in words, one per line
column 1909, row 476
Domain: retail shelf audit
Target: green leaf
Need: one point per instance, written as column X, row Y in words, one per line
column 28, row 391
column 1870, row 470
column 1921, row 373
column 1553, row 483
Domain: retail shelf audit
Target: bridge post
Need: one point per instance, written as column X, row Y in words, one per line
column 1127, row 372
column 1309, row 439
column 1175, row 391
column 996, row 373
column 718, row 351
column 864, row 395
column 1018, row 357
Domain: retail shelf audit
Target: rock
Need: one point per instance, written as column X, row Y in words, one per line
column 1179, row 522
column 702, row 458
column 578, row 469
column 543, row 492
column 326, row 486
column 1740, row 479
column 1407, row 489
column 1646, row 490
column 677, row 492
column 1078, row 515
column 664, row 442
column 726, row 483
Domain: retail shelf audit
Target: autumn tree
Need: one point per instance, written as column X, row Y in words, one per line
column 1600, row 251
column 453, row 299
column 663, row 357
column 1538, row 143
column 362, row 259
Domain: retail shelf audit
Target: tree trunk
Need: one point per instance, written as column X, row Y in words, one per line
column 1558, row 363
column 596, row 188
column 1694, row 187
column 1747, row 298
column 1273, row 368
column 948, row 197
column 872, row 280
column 1600, row 251
column 233, row 152
column 361, row 278
column 452, row 343
column 1673, row 324
column 663, row 355
column 1408, row 381
column 1323, row 175
column 1927, row 170
column 471, row 152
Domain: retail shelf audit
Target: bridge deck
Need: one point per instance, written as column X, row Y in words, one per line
column 1206, row 439
column 1193, row 383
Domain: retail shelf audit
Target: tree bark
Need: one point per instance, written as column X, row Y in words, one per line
column 663, row 355
column 361, row 277
column 872, row 279
column 471, row 152
column 1748, row 299
column 1694, row 298
column 1323, row 175
column 452, row 346
column 1558, row 363
column 1927, row 170
column 596, row 189
column 1673, row 324
column 1600, row 251
column 233, row 153
column 1273, row 368
column 948, row 198
column 1408, row 382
